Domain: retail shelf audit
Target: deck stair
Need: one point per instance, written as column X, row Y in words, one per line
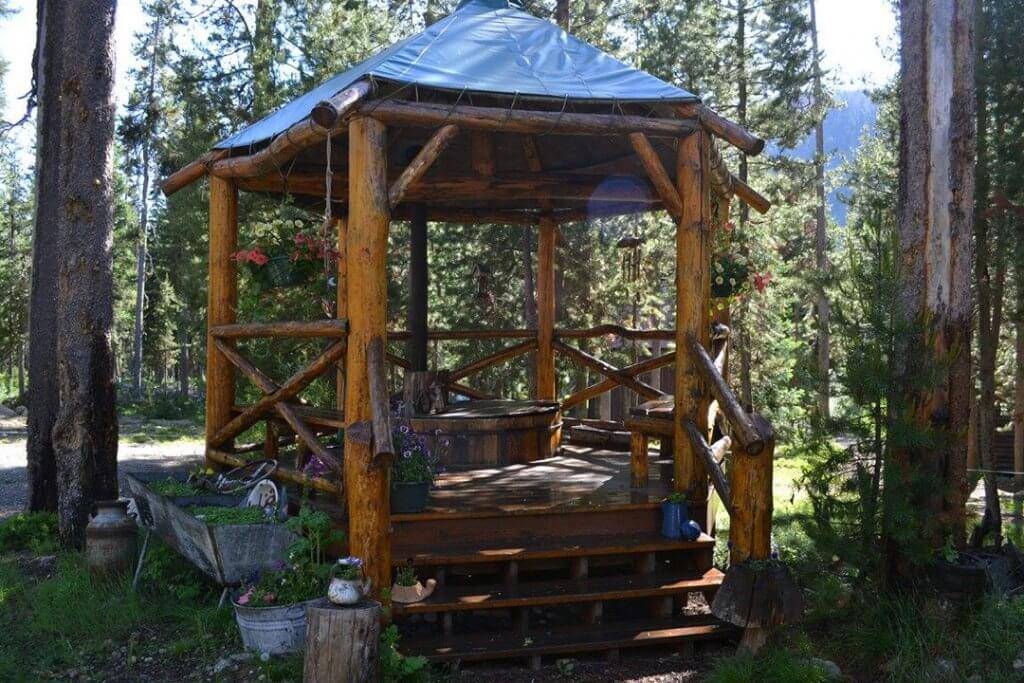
column 558, row 581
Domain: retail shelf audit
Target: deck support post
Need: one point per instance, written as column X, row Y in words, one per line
column 546, row 386
column 222, row 302
column 693, row 291
column 366, row 480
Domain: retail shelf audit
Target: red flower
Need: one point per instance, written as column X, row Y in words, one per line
column 761, row 281
column 729, row 226
column 258, row 257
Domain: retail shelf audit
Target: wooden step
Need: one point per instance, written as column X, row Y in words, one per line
column 489, row 527
column 502, row 550
column 528, row 594
column 587, row 638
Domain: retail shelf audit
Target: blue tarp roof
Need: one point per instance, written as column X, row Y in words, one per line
column 485, row 46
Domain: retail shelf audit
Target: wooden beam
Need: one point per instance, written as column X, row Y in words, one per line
column 504, row 120
column 330, row 112
column 711, row 460
column 267, row 386
column 471, row 216
column 366, row 486
column 191, row 172
column 617, row 330
column 608, row 384
column 288, row 144
column 656, row 172
column 491, row 359
column 729, row 131
column 222, row 300
column 739, row 419
column 750, row 196
column 468, row 334
column 603, row 209
column 693, row 284
column 546, row 381
column 421, row 163
column 610, row 371
column 287, row 391
column 315, row 329
column 482, row 152
column 380, row 403
column 509, row 186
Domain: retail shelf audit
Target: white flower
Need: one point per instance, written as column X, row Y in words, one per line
column 718, row 266
column 719, row 280
column 732, row 281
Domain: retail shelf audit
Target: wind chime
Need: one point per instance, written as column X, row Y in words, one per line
column 630, row 247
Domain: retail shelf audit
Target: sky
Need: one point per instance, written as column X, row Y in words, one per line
column 856, row 37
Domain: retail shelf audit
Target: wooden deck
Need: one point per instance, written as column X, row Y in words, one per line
column 578, row 477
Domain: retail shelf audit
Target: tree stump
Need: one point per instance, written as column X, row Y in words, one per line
column 341, row 643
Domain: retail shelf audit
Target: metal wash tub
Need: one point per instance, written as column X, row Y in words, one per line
column 228, row 554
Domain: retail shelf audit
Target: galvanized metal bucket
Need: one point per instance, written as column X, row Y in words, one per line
column 275, row 630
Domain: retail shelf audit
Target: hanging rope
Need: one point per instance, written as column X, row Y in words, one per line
column 328, row 218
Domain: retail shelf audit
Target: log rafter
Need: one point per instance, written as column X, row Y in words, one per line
column 421, row 163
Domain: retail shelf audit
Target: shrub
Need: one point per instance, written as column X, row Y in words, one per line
column 32, row 531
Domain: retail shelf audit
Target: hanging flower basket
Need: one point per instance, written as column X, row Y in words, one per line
column 282, row 272
column 729, row 276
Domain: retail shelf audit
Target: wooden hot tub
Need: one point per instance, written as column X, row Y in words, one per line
column 495, row 432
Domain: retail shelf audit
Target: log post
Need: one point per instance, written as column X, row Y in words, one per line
column 342, row 643
column 366, row 484
column 693, row 291
column 750, row 487
column 341, row 299
column 546, row 388
column 222, row 302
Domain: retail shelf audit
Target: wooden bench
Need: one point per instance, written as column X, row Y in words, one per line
column 649, row 419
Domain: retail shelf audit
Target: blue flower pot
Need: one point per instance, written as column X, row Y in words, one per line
column 673, row 516
column 691, row 530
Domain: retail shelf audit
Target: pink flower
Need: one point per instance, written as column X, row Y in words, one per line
column 258, row 257
column 729, row 226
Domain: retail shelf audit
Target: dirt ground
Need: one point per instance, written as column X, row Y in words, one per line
column 143, row 448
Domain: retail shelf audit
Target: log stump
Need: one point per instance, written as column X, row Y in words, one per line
column 342, row 642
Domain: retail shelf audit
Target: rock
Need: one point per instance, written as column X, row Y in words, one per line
column 831, row 669
column 6, row 412
column 21, row 411
column 222, row 665
column 264, row 656
column 945, row 670
column 1018, row 664
column 241, row 656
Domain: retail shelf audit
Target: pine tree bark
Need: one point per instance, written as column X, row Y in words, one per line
column 85, row 430
column 824, row 310
column 43, row 395
column 934, row 212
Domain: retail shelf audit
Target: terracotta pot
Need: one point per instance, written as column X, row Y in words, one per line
column 110, row 539
column 407, row 594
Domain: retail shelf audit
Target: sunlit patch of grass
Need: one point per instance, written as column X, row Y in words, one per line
column 776, row 665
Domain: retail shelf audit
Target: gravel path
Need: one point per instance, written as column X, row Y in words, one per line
column 133, row 457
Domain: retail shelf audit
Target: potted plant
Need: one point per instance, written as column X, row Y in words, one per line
column 675, row 519
column 270, row 608
column 348, row 583
column 407, row 587
column 287, row 251
column 412, row 471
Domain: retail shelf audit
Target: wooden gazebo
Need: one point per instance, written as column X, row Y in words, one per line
column 493, row 116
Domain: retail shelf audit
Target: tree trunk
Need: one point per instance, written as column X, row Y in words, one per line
column 264, row 52
column 43, row 396
column 419, row 287
column 1018, row 383
column 743, row 319
column 936, row 192
column 184, row 365
column 341, row 643
column 85, row 431
column 820, row 229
